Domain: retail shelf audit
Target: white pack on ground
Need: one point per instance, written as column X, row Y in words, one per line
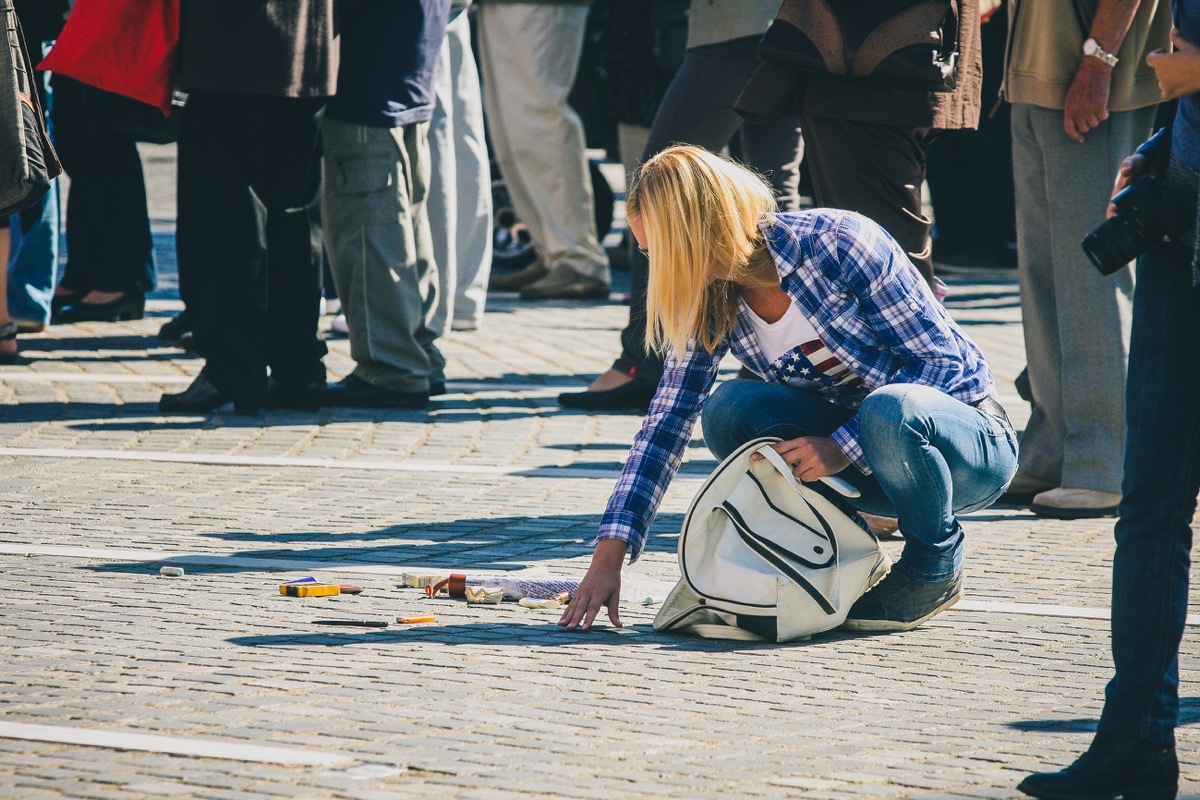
column 765, row 557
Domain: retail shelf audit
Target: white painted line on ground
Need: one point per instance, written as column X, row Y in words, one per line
column 455, row 387
column 178, row 558
column 1042, row 610
column 299, row 565
column 173, row 745
column 321, row 463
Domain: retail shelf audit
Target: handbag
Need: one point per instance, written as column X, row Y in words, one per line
column 28, row 160
column 902, row 44
column 127, row 47
column 764, row 557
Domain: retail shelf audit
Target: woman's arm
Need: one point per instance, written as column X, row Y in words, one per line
column 653, row 461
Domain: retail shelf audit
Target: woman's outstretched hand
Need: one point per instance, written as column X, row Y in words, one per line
column 601, row 587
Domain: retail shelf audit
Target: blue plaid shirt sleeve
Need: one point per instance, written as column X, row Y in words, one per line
column 658, row 447
column 915, row 340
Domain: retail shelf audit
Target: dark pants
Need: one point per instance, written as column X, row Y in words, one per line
column 698, row 109
column 970, row 172
column 108, row 238
column 1162, row 478
column 876, row 170
column 248, row 171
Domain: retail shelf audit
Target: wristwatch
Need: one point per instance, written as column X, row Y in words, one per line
column 1092, row 48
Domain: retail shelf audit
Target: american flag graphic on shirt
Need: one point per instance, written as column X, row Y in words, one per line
column 811, row 364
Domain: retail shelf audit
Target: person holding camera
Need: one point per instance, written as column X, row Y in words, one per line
column 1082, row 98
column 1133, row 752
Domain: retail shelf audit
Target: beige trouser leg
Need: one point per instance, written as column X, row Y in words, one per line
column 529, row 55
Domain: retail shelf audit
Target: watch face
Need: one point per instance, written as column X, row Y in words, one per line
column 1089, row 47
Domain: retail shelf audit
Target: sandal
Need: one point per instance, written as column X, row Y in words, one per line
column 8, row 331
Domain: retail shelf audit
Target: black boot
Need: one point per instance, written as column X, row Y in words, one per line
column 1114, row 766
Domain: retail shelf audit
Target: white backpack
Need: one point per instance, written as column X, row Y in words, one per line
column 765, row 557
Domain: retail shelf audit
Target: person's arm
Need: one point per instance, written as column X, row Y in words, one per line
column 653, row 461
column 1086, row 103
column 1178, row 73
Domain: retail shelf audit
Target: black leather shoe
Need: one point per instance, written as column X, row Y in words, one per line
column 354, row 392
column 285, row 395
column 631, row 397
column 172, row 332
column 1112, row 767
column 203, row 398
column 130, row 305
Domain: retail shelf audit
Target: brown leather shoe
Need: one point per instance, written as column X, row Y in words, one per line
column 563, row 282
column 516, row 280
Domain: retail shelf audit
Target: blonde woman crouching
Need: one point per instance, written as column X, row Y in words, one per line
column 865, row 377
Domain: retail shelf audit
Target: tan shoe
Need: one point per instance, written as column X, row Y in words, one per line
column 515, row 280
column 563, row 282
column 1067, row 503
column 883, row 527
column 1023, row 488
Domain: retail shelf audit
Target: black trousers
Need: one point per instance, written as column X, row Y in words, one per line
column 248, row 172
column 698, row 109
column 108, row 235
column 876, row 170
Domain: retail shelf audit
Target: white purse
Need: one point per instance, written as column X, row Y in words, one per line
column 764, row 557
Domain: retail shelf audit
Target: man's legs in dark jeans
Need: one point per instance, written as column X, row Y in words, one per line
column 1162, row 478
column 240, row 158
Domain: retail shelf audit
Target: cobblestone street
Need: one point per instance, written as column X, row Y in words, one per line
column 121, row 683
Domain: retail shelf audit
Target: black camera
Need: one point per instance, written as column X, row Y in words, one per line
column 1145, row 215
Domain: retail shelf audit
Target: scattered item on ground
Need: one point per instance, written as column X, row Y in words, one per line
column 171, row 572
column 623, row 631
column 556, row 601
column 308, row 579
column 484, row 595
column 419, row 580
column 349, row 588
column 309, row 589
column 765, row 557
column 352, row 623
column 514, row 588
column 651, row 600
column 416, row 619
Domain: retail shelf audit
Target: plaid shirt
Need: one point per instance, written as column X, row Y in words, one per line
column 870, row 308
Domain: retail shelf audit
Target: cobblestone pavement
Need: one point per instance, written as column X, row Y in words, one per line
column 120, row 683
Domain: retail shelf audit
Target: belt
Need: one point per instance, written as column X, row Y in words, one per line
column 991, row 406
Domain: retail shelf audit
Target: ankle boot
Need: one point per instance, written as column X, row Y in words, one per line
column 1113, row 766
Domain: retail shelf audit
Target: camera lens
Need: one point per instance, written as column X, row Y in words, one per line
column 1114, row 244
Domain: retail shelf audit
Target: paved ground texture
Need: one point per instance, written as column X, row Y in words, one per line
column 117, row 682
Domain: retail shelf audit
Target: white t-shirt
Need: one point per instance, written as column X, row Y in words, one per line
column 795, row 352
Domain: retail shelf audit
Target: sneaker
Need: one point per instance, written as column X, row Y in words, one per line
column 1065, row 503
column 563, row 282
column 513, row 281
column 901, row 602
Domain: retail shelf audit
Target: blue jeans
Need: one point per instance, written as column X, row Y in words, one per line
column 931, row 456
column 1162, row 478
column 33, row 263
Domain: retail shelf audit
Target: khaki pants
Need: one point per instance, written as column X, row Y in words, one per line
column 529, row 55
column 380, row 252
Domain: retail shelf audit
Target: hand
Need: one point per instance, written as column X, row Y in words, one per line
column 1178, row 72
column 1129, row 169
column 600, row 587
column 1086, row 103
column 810, row 457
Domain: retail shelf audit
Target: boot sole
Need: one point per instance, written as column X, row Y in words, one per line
column 895, row 626
column 1054, row 512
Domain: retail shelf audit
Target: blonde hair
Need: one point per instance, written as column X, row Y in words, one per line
column 701, row 214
